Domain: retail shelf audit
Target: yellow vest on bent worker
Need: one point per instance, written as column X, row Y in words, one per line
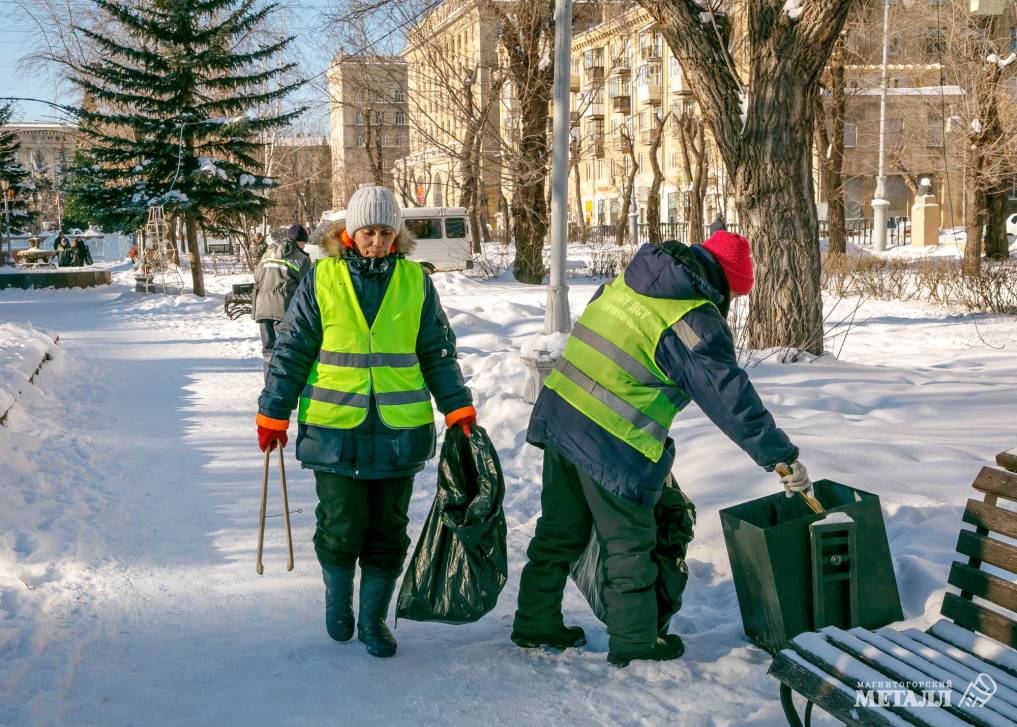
column 608, row 371
column 356, row 361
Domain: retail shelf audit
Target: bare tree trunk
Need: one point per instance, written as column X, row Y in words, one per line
column 996, row 246
column 622, row 224
column 194, row 255
column 574, row 162
column 982, row 137
column 529, row 211
column 653, row 198
column 692, row 142
column 837, row 225
column 764, row 130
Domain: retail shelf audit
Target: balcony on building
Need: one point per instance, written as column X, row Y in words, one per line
column 648, row 84
column 574, row 80
column 620, row 143
column 593, row 65
column 592, row 103
column 618, row 86
column 646, row 136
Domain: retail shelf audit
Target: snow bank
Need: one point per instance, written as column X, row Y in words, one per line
column 22, row 350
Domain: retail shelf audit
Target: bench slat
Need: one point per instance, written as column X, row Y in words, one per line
column 815, row 649
column 828, row 693
column 976, row 617
column 994, row 552
column 987, row 649
column 984, row 585
column 1008, row 460
column 964, row 665
column 942, row 668
column 990, row 517
column 917, row 671
column 996, row 482
column 964, row 656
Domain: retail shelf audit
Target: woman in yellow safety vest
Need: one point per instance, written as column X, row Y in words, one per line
column 364, row 347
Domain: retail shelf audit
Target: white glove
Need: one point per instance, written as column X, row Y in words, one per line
column 795, row 478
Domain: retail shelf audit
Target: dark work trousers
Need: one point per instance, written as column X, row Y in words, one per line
column 267, row 341
column 363, row 519
column 570, row 505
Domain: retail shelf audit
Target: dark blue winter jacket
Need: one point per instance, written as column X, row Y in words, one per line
column 371, row 450
column 701, row 360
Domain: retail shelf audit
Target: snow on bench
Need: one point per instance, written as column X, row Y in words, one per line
column 23, row 350
column 963, row 670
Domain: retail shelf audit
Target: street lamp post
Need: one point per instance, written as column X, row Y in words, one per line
column 879, row 201
column 540, row 358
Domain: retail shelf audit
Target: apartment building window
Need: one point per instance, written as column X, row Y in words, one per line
column 593, row 58
column 397, row 97
column 360, row 139
column 935, row 42
column 614, row 168
column 1013, row 38
column 360, row 118
column 894, row 132
column 400, row 118
column 600, row 169
column 674, row 160
column 589, row 170
column 674, row 68
column 642, row 161
column 935, row 133
column 379, row 118
column 850, row 135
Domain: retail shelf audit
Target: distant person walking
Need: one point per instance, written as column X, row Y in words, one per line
column 276, row 278
column 718, row 224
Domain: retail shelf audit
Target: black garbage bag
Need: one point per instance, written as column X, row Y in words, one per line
column 460, row 564
column 676, row 517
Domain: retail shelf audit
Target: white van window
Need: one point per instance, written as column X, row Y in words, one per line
column 425, row 228
column 455, row 227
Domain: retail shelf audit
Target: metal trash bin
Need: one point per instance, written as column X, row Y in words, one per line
column 771, row 547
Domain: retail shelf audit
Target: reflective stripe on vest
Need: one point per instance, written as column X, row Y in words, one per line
column 608, row 370
column 356, row 361
column 275, row 262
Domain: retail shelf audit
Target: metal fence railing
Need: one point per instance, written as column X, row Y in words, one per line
column 859, row 232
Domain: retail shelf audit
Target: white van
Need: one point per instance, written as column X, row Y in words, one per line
column 442, row 234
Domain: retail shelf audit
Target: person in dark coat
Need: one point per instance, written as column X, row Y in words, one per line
column 363, row 348
column 648, row 343
column 718, row 224
column 279, row 272
column 80, row 254
column 66, row 256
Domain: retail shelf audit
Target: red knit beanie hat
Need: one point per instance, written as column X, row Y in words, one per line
column 734, row 256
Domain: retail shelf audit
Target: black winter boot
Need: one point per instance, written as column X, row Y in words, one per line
column 376, row 588
column 665, row 648
column 338, row 601
column 564, row 637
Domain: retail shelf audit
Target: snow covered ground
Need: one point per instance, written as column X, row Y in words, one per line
column 129, row 487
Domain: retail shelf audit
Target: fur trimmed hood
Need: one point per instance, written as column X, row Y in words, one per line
column 327, row 236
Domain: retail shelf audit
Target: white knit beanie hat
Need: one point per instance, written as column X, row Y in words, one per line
column 372, row 206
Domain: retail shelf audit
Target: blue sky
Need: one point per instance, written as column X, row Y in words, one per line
column 17, row 37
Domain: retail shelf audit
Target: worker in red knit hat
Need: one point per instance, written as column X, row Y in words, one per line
column 648, row 343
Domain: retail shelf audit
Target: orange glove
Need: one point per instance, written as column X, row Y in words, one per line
column 464, row 417
column 270, row 432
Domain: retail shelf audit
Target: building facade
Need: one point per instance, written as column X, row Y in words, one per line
column 369, row 121
column 453, row 81
column 932, row 73
column 46, row 153
column 624, row 79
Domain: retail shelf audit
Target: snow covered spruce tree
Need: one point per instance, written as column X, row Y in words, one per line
column 758, row 97
column 173, row 120
column 14, row 174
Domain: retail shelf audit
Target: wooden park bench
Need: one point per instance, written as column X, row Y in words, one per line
column 240, row 302
column 961, row 671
